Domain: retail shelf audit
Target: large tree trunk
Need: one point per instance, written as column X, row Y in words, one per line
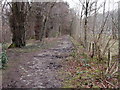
column 17, row 21
column 18, row 31
column 18, row 39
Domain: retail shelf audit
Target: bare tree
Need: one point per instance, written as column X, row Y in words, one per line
column 49, row 17
column 86, row 22
column 119, row 34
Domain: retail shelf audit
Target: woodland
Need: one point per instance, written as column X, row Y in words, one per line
column 54, row 45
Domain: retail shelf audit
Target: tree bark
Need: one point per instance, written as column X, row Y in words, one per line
column 17, row 20
column 119, row 38
column 85, row 25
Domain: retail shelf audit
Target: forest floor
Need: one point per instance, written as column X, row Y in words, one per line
column 55, row 63
column 37, row 65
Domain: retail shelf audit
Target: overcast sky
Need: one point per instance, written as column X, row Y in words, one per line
column 109, row 3
column 74, row 3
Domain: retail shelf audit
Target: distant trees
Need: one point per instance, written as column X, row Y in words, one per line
column 42, row 14
column 50, row 19
column 36, row 20
column 37, row 11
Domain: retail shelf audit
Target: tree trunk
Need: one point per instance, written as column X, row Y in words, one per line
column 37, row 32
column 85, row 25
column 18, row 39
column 119, row 30
column 17, row 20
column 119, row 38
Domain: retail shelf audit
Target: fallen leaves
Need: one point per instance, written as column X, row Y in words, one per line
column 87, row 75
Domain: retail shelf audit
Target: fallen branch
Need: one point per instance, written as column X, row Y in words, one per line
column 109, row 83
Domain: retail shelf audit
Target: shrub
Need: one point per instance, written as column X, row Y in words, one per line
column 3, row 57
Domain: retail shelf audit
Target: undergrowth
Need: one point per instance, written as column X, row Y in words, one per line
column 83, row 71
column 3, row 56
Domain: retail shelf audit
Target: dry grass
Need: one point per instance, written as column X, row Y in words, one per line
column 85, row 72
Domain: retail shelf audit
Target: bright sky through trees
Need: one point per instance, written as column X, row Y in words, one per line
column 109, row 3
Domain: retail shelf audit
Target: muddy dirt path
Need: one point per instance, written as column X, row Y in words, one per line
column 38, row 69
